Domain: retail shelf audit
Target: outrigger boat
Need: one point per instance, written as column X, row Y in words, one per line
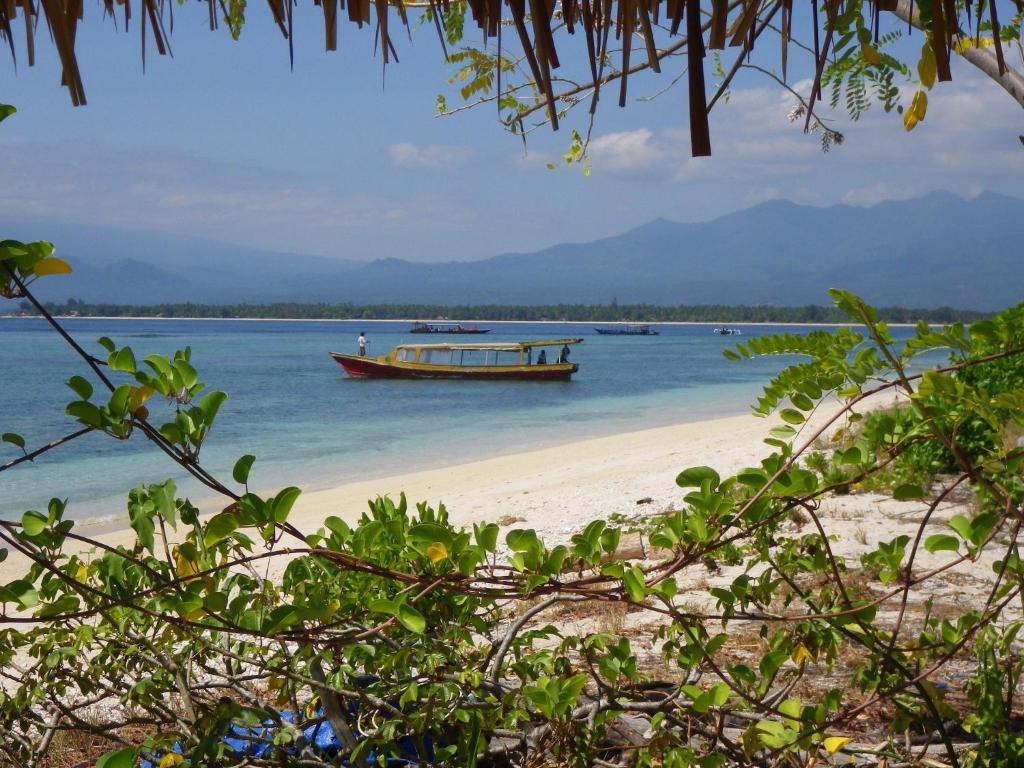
column 446, row 328
column 511, row 360
column 631, row 329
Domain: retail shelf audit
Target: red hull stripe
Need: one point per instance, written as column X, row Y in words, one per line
column 363, row 367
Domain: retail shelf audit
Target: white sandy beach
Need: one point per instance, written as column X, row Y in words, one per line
column 558, row 490
column 555, row 490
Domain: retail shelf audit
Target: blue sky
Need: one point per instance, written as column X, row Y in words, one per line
column 340, row 159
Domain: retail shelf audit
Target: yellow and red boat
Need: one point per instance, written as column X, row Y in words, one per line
column 506, row 361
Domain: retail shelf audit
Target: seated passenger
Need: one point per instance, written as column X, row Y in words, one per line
column 542, row 358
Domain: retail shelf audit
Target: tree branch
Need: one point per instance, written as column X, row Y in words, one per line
column 1010, row 80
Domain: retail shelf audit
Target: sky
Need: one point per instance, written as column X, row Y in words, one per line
column 340, row 157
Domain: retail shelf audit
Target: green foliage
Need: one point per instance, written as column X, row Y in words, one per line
column 862, row 71
column 991, row 688
column 401, row 626
column 21, row 264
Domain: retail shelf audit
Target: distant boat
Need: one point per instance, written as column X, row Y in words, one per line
column 728, row 331
column 446, row 328
column 626, row 330
column 512, row 360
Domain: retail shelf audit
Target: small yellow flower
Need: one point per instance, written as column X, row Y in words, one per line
column 834, row 743
column 437, row 551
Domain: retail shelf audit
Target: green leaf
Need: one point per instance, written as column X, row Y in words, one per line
column 791, row 416
column 6, row 110
column 782, row 432
column 67, row 604
column 522, row 540
column 211, row 403
column 718, row 694
column 801, row 401
column 80, row 387
column 754, row 478
column 469, row 560
column 338, row 527
column 87, row 413
column 790, row 708
column 122, row 758
column 241, row 470
column 390, row 607
column 20, row 592
column 122, row 360
column 219, row 528
column 940, row 542
column 283, row 503
column 32, row 523
column 961, row 525
column 486, row 536
column 188, row 374
column 411, row 619
column 107, row 343
column 908, row 491
column 633, row 581
column 773, row 735
column 14, row 439
column 694, row 477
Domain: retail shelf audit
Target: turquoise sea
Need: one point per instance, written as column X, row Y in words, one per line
column 309, row 425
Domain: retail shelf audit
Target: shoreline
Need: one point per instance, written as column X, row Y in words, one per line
column 709, row 323
column 554, row 489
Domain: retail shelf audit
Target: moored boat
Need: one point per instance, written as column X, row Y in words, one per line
column 630, row 329
column 728, row 331
column 446, row 328
column 504, row 361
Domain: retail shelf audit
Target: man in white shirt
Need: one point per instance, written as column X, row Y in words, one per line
column 362, row 344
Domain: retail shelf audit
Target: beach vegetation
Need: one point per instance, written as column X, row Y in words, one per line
column 230, row 636
column 597, row 313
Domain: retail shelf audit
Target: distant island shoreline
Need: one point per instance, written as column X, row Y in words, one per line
column 764, row 323
column 566, row 313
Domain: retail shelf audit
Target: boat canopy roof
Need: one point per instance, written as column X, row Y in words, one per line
column 508, row 346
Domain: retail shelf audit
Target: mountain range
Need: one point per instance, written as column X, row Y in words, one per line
column 936, row 250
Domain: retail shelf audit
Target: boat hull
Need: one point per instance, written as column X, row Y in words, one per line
column 616, row 332
column 372, row 368
column 463, row 332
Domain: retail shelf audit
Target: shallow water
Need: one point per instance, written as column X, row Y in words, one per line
column 309, row 425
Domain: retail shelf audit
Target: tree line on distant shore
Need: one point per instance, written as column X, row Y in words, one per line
column 643, row 313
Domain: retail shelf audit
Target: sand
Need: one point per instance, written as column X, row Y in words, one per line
column 556, row 490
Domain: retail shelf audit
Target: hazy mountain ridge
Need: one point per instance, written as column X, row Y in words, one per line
column 931, row 251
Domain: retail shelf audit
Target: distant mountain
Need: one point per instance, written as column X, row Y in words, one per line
column 937, row 250
column 148, row 267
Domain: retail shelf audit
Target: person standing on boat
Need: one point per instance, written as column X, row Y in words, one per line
column 362, row 344
column 563, row 357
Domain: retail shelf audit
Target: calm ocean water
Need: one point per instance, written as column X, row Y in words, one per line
column 309, row 425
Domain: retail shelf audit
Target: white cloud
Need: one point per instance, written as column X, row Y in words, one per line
column 429, row 156
column 876, row 193
column 968, row 141
column 631, row 153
